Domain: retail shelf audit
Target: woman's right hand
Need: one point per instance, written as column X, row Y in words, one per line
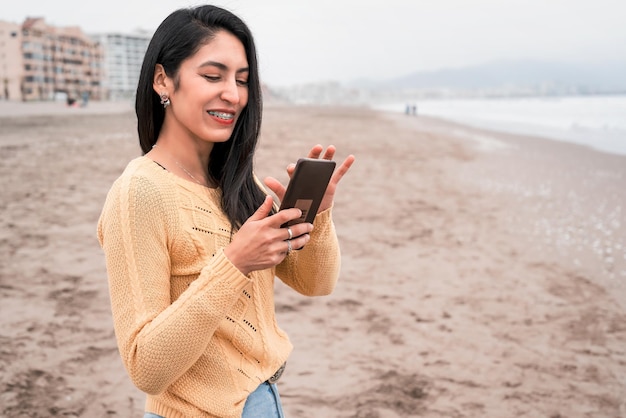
column 261, row 243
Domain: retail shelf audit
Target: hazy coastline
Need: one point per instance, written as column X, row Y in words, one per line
column 596, row 121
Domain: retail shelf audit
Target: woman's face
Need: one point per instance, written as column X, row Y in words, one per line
column 212, row 91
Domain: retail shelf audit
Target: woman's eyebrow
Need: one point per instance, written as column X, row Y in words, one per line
column 222, row 66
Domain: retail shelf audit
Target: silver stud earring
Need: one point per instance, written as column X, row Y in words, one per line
column 165, row 100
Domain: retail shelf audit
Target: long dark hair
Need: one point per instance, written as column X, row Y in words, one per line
column 178, row 37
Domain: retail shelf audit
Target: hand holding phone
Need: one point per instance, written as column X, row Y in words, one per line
column 306, row 188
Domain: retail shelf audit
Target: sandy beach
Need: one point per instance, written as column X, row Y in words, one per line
column 483, row 274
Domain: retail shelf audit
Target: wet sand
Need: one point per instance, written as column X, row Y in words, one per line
column 483, row 274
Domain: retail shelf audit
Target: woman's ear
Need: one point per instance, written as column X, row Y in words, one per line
column 161, row 80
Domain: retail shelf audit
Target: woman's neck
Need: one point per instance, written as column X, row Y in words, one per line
column 184, row 156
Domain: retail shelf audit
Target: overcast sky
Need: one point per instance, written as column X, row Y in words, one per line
column 304, row 41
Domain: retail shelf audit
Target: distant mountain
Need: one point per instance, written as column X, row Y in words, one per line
column 590, row 76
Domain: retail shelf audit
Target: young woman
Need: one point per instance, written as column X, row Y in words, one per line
column 191, row 239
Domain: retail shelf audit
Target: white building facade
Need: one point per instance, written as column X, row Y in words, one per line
column 123, row 56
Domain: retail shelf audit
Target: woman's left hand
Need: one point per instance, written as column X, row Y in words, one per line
column 317, row 152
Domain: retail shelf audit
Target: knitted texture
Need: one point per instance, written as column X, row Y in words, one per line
column 194, row 333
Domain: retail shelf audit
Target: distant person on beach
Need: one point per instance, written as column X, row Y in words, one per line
column 192, row 240
column 85, row 96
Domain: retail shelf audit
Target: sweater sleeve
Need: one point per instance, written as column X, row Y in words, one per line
column 314, row 270
column 158, row 339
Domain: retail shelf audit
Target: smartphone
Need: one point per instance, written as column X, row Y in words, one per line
column 307, row 187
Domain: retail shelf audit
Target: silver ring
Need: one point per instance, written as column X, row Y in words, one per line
column 290, row 233
column 288, row 246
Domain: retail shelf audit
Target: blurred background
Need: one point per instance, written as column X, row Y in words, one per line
column 553, row 69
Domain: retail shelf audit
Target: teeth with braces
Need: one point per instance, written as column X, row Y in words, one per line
column 221, row 115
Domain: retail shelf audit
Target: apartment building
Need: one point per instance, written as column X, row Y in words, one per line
column 123, row 57
column 43, row 62
column 11, row 65
column 60, row 61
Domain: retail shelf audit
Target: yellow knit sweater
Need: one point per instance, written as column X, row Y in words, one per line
column 194, row 333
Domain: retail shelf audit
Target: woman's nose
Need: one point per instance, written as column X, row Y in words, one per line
column 230, row 92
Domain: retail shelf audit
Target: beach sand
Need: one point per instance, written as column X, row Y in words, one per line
column 483, row 274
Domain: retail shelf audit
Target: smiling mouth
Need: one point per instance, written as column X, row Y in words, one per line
column 221, row 115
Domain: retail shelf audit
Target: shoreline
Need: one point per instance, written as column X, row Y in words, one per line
column 584, row 184
column 595, row 121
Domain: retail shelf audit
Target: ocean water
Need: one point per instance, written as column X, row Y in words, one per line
column 595, row 121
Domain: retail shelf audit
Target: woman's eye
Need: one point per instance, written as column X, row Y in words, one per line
column 212, row 77
column 242, row 82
